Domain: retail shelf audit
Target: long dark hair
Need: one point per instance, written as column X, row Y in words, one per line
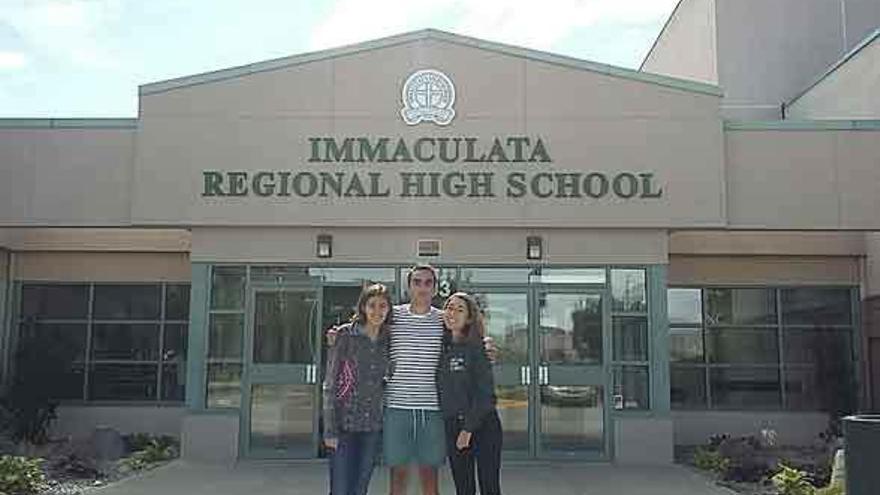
column 368, row 292
column 473, row 331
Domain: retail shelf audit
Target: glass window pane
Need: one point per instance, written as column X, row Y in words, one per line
column 630, row 338
column 684, row 306
column 177, row 302
column 281, row 417
column 173, row 382
column 568, row 276
column 280, row 274
column 686, row 345
column 225, row 334
column 827, row 348
column 507, row 322
column 68, row 339
column 745, row 388
column 49, row 364
column 227, row 287
column 495, row 275
column 55, row 301
column 224, row 385
column 125, row 342
column 284, row 326
column 571, row 418
column 127, row 302
column 742, row 345
column 631, row 387
column 628, row 291
column 513, row 410
column 175, row 342
column 123, row 382
column 817, row 389
column 816, row 306
column 358, row 275
column 688, row 388
column 571, row 328
column 740, row 307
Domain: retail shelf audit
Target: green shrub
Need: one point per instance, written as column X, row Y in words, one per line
column 709, row 459
column 790, row 481
column 832, row 490
column 156, row 450
column 21, row 475
column 41, row 369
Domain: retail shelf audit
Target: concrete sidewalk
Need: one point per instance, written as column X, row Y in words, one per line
column 310, row 478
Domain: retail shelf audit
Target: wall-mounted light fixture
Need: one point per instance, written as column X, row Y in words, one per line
column 324, row 246
column 534, row 249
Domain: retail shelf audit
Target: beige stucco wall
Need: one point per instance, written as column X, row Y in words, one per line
column 787, row 179
column 686, row 47
column 102, row 267
column 475, row 246
column 763, row 270
column 65, row 176
column 744, row 243
column 81, row 421
column 850, row 92
column 770, row 51
column 589, row 122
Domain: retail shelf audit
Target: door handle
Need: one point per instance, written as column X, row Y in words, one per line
column 525, row 375
column 543, row 375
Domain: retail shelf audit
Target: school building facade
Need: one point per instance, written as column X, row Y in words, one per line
column 663, row 254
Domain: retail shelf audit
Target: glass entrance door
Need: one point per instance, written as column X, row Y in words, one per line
column 282, row 357
column 550, row 376
column 571, row 385
column 507, row 322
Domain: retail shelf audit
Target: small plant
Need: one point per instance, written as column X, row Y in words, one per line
column 21, row 475
column 791, row 481
column 709, row 459
column 156, row 450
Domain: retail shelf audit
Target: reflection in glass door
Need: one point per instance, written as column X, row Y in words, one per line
column 281, row 376
column 571, row 416
column 507, row 322
column 549, row 375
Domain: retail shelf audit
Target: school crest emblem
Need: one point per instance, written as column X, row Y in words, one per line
column 428, row 95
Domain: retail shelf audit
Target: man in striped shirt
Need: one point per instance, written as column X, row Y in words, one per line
column 413, row 429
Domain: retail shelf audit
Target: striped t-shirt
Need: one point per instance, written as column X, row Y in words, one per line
column 416, row 341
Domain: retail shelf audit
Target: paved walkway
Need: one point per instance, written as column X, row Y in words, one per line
column 309, row 478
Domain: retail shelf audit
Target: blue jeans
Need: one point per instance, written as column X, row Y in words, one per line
column 352, row 463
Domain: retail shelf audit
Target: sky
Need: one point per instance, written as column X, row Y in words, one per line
column 86, row 58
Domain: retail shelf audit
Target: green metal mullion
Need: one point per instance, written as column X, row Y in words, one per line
column 780, row 343
column 160, row 370
column 245, row 386
column 706, row 375
column 857, row 333
column 658, row 324
column 534, row 416
column 88, row 357
column 197, row 337
column 608, row 424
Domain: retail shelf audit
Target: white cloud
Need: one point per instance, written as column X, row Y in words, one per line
column 67, row 29
column 12, row 60
column 536, row 24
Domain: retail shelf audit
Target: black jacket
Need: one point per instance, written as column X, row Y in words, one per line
column 464, row 382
